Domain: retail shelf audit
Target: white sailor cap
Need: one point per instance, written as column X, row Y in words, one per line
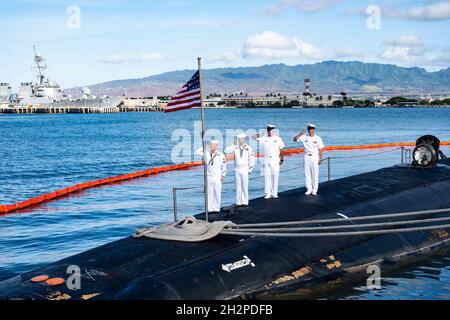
column 311, row 126
column 214, row 142
column 271, row 126
column 242, row 136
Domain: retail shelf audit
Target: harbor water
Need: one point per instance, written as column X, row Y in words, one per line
column 43, row 153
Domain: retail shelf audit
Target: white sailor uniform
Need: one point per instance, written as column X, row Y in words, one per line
column 271, row 147
column 216, row 165
column 312, row 147
column 244, row 162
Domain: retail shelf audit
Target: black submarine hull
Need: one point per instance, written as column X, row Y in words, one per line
column 229, row 267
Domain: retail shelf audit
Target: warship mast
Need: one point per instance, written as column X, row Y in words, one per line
column 40, row 66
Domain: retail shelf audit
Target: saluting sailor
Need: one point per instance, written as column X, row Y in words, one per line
column 244, row 162
column 216, row 164
column 272, row 146
column 313, row 145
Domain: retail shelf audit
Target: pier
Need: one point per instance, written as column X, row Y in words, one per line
column 57, row 110
column 76, row 109
column 88, row 106
column 141, row 109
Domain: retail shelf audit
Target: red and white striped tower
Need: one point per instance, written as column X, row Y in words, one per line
column 307, row 85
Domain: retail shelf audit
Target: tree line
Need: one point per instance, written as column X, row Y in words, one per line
column 423, row 102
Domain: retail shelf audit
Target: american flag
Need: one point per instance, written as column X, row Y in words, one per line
column 188, row 97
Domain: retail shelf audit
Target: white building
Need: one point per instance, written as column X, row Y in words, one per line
column 249, row 101
column 321, row 100
column 145, row 102
column 213, row 103
column 141, row 102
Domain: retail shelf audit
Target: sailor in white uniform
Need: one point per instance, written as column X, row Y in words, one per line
column 244, row 162
column 272, row 146
column 313, row 145
column 216, row 165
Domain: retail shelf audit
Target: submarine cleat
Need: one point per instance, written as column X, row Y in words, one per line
column 389, row 215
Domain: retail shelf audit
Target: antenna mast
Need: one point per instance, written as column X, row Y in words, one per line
column 40, row 66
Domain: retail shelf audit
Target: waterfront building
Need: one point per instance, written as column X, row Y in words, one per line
column 321, row 100
column 254, row 101
column 144, row 103
column 214, row 102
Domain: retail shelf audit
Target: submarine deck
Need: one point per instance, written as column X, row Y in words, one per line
column 119, row 269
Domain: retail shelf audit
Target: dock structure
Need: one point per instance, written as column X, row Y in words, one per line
column 123, row 108
column 76, row 109
column 105, row 105
column 57, row 110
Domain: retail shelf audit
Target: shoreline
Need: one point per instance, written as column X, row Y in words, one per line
column 41, row 111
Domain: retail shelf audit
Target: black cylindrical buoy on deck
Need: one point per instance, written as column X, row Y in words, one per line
column 426, row 153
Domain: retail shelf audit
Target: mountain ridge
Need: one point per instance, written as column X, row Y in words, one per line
column 326, row 77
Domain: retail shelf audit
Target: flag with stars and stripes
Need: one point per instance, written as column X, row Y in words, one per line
column 188, row 97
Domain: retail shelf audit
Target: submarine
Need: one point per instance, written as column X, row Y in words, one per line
column 270, row 247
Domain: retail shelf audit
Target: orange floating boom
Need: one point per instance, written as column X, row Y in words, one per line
column 10, row 208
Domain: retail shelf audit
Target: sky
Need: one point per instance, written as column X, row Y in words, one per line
column 88, row 41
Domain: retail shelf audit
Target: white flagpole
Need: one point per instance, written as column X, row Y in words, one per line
column 205, row 172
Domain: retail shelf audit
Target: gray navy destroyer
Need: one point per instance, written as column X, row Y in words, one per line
column 47, row 96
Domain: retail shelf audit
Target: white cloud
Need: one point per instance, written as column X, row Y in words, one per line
column 228, row 57
column 115, row 58
column 348, row 53
column 399, row 54
column 405, row 49
column 410, row 50
column 432, row 12
column 150, row 56
column 410, row 40
column 121, row 58
column 302, row 6
column 438, row 11
column 442, row 58
column 272, row 45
